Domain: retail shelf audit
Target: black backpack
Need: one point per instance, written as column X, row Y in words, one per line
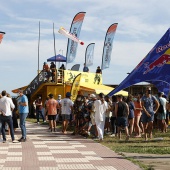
column 161, row 108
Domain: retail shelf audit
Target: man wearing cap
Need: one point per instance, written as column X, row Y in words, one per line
column 66, row 108
column 100, row 108
column 23, row 112
column 52, row 105
column 6, row 105
column 161, row 113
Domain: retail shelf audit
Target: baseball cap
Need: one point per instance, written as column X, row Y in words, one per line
column 68, row 94
column 92, row 96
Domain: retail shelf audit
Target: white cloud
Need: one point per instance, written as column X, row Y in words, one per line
column 140, row 25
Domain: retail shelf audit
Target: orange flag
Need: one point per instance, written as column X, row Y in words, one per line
column 1, row 36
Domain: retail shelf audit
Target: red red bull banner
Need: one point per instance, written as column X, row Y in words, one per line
column 1, row 36
column 153, row 68
column 108, row 44
column 75, row 30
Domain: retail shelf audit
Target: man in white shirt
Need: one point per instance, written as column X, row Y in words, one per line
column 6, row 105
column 100, row 109
column 66, row 108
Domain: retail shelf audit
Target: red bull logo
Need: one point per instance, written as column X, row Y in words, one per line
column 163, row 59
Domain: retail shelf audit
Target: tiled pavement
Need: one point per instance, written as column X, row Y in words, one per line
column 54, row 151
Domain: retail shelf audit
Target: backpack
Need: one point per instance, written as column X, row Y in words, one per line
column 161, row 108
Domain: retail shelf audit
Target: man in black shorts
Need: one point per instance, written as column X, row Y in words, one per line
column 122, row 112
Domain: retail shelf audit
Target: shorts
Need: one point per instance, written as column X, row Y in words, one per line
column 107, row 119
column 122, row 122
column 65, row 117
column 92, row 119
column 161, row 116
column 51, row 117
column 146, row 119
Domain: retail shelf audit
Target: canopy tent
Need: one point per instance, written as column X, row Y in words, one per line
column 154, row 67
column 57, row 58
column 21, row 88
column 95, row 88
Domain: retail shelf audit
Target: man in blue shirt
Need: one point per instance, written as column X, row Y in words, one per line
column 23, row 112
column 85, row 68
column 149, row 110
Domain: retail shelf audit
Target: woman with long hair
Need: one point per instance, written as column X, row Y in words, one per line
column 138, row 113
column 131, row 116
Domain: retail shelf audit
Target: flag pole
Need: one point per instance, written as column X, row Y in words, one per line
column 54, row 44
column 38, row 50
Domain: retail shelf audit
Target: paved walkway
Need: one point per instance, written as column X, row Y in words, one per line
column 54, row 151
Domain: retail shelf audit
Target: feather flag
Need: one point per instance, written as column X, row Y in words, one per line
column 107, row 48
column 1, row 36
column 74, row 29
column 89, row 54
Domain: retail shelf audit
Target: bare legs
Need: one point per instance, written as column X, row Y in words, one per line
column 65, row 125
column 136, row 125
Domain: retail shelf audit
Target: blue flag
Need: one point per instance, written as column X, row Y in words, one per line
column 161, row 86
column 154, row 67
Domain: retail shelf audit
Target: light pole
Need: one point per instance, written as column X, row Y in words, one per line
column 62, row 55
column 61, row 51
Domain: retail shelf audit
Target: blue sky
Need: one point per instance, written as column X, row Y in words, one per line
column 141, row 23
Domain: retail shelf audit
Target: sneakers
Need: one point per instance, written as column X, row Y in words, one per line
column 4, row 141
column 22, row 140
column 15, row 141
column 38, row 123
column 112, row 135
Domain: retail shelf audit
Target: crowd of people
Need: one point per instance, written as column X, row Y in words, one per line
column 94, row 115
column 98, row 115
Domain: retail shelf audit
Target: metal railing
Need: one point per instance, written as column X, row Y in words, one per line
column 41, row 78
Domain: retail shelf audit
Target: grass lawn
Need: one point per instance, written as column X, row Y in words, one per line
column 138, row 145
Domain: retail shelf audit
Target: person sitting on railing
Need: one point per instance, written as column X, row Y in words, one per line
column 46, row 70
column 53, row 71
